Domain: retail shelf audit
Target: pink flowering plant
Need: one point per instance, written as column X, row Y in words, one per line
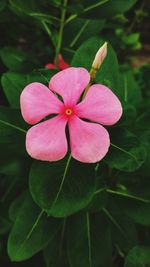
column 89, row 142
column 74, row 137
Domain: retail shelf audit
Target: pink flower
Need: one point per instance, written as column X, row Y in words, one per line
column 62, row 65
column 89, row 142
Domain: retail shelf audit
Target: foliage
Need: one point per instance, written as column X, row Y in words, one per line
column 67, row 213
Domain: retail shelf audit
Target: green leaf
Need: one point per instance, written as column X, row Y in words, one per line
column 2, row 5
column 129, row 114
column 131, row 39
column 130, row 88
column 62, row 188
column 139, row 256
column 52, row 253
column 89, row 241
column 16, row 206
column 31, row 231
column 105, row 9
column 28, row 6
column 14, row 164
column 127, row 152
column 105, row 75
column 12, row 132
column 135, row 206
column 4, row 225
column 13, row 84
column 17, row 60
column 123, row 230
column 79, row 30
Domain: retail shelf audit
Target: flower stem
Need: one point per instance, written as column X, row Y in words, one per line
column 62, row 23
column 49, row 32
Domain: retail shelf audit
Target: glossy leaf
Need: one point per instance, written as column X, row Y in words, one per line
column 127, row 152
column 62, row 188
column 31, row 231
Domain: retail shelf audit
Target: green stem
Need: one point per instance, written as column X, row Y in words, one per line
column 100, row 190
column 47, row 29
column 86, row 89
column 89, row 238
column 79, row 33
column 62, row 23
column 125, row 89
column 94, row 5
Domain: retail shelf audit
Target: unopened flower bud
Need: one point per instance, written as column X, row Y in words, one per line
column 100, row 56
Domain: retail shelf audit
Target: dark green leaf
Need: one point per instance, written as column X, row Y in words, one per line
column 131, row 91
column 98, row 201
column 52, row 253
column 139, row 256
column 61, row 188
column 127, row 152
column 78, row 30
column 89, row 241
column 135, row 206
column 4, row 225
column 17, row 60
column 31, row 231
column 2, row 5
column 16, row 206
column 13, row 84
column 105, row 9
column 12, row 132
column 122, row 228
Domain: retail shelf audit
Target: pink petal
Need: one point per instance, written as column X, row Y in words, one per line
column 70, row 83
column 37, row 101
column 47, row 140
column 100, row 105
column 89, row 141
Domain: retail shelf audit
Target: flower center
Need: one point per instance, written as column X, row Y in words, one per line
column 68, row 111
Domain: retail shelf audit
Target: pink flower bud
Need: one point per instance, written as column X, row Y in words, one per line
column 100, row 56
